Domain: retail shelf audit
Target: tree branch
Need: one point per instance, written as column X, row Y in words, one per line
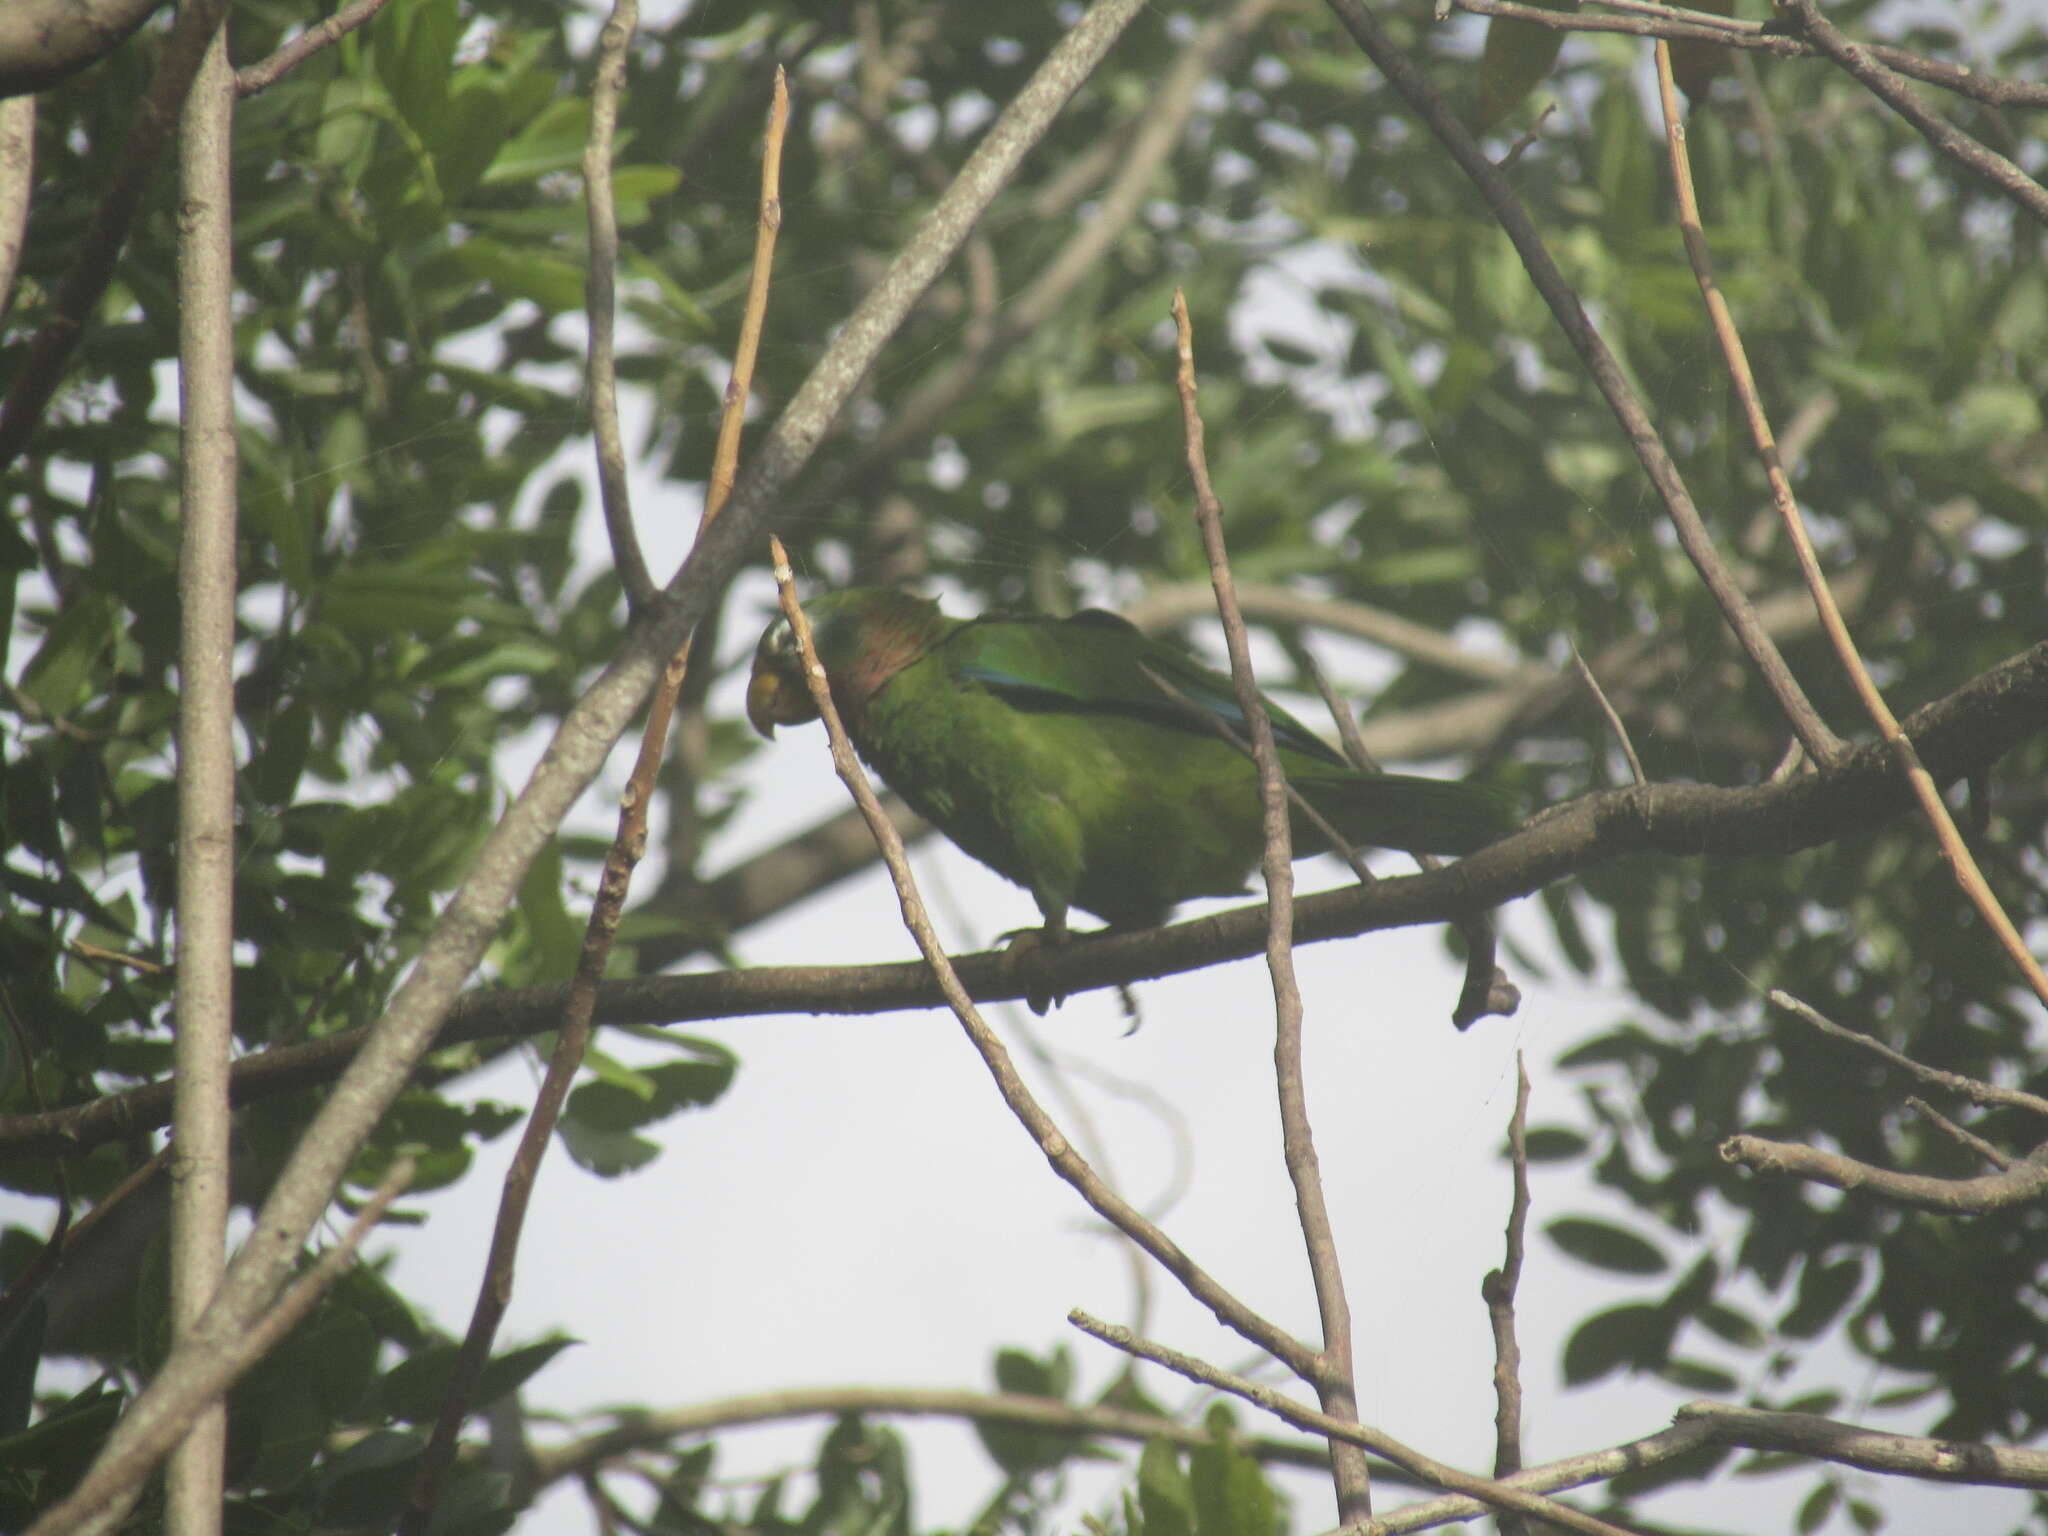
column 1491, row 1493
column 1332, row 1379
column 1959, row 735
column 1684, row 26
column 649, row 1431
column 1851, row 1445
column 206, row 757
column 264, row 73
column 44, row 41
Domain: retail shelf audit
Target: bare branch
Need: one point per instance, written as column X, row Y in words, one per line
column 264, row 73
column 1960, row 1135
column 1492, row 1494
column 1851, row 1445
column 1333, row 1379
column 648, row 1431
column 1963, row 733
column 1606, row 705
column 1978, row 159
column 1980, row 1093
column 1498, row 1289
column 2024, row 1181
column 1163, row 606
column 1358, row 19
column 579, row 746
column 600, row 283
column 1648, row 18
column 44, row 41
column 206, row 757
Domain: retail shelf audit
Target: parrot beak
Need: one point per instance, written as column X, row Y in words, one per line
column 774, row 698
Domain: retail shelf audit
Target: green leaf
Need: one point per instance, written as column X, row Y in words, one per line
column 1631, row 1337
column 1231, row 1494
column 1824, row 1290
column 1605, row 1246
column 549, row 281
column 1166, row 1501
column 1517, row 54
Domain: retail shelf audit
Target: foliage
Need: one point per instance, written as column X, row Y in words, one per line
column 1405, row 427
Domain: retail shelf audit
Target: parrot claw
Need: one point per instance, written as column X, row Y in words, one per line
column 1023, row 949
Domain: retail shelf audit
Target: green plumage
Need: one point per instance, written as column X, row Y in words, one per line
column 1056, row 752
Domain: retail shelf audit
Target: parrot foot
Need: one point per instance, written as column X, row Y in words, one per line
column 1023, row 950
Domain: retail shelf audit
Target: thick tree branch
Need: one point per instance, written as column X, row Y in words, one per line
column 188, row 1379
column 206, row 756
column 1959, row 735
column 43, row 41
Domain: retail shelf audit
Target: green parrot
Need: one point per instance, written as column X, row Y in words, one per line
column 1057, row 753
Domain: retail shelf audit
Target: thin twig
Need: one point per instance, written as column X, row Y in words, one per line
column 1214, row 723
column 1498, row 1289
column 1333, row 1380
column 1044, row 1131
column 1628, row 748
column 264, row 73
column 600, row 282
column 1500, row 195
column 1955, row 853
column 630, row 842
column 1978, row 159
column 1978, row 1092
column 1963, row 1136
column 1495, row 1495
column 1651, row 18
column 91, row 267
column 651, row 1431
column 1486, row 991
column 195, row 1478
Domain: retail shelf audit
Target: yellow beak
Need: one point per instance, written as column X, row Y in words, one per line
column 775, row 698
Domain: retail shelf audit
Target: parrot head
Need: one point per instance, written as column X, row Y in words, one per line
column 864, row 637
column 776, row 692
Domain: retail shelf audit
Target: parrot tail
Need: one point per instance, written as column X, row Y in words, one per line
column 1402, row 811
